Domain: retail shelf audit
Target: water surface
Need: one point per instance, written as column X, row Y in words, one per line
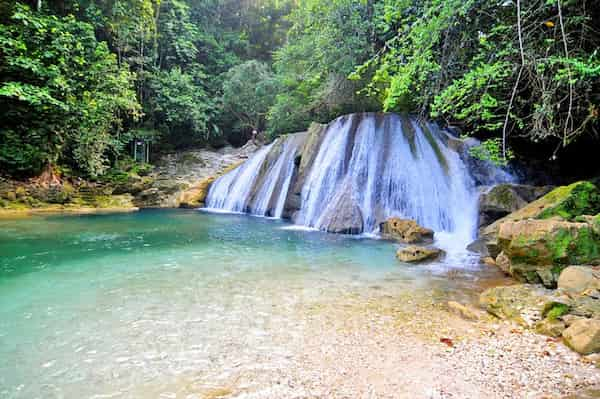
column 131, row 305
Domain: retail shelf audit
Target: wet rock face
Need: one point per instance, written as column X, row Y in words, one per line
column 503, row 199
column 414, row 254
column 345, row 217
column 406, row 231
column 536, row 251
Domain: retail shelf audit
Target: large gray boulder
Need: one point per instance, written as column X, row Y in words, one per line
column 498, row 201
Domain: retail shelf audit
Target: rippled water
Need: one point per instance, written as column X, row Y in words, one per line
column 165, row 303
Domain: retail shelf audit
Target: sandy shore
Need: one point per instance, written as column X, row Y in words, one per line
column 391, row 348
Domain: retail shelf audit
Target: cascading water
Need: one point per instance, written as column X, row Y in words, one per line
column 360, row 170
column 389, row 166
column 261, row 184
column 231, row 192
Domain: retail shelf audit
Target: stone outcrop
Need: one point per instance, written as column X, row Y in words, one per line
column 566, row 203
column 536, row 251
column 405, row 230
column 183, row 179
column 503, row 199
column 414, row 254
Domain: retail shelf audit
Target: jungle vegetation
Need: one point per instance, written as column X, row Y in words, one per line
column 80, row 80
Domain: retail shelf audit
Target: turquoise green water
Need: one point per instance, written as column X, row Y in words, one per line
column 126, row 305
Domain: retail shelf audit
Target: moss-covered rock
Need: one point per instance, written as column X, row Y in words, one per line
column 566, row 202
column 536, row 251
column 522, row 303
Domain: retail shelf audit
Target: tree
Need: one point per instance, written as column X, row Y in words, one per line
column 249, row 91
column 63, row 96
column 180, row 107
column 326, row 42
column 520, row 69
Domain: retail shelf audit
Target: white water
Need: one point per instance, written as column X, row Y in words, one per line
column 386, row 179
column 366, row 162
column 231, row 191
column 280, row 174
column 248, row 190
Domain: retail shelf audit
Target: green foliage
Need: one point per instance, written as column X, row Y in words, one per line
column 180, row 107
column 249, row 89
column 491, row 150
column 460, row 60
column 62, row 95
column 326, row 42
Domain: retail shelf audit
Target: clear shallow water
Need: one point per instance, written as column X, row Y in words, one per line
column 165, row 303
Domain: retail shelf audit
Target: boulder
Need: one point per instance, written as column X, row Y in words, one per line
column 583, row 336
column 577, row 279
column 343, row 215
column 536, row 251
column 566, row 202
column 405, row 230
column 502, row 199
column 415, row 253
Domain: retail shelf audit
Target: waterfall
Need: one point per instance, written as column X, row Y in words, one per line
column 231, row 192
column 260, row 185
column 358, row 171
column 389, row 166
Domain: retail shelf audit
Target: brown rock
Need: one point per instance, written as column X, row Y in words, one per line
column 583, row 336
column 577, row 279
column 418, row 254
column 551, row 328
column 405, row 230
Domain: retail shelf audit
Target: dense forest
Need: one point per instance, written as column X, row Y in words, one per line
column 81, row 80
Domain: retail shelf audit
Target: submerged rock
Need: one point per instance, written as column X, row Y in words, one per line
column 415, row 253
column 583, row 336
column 405, row 230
